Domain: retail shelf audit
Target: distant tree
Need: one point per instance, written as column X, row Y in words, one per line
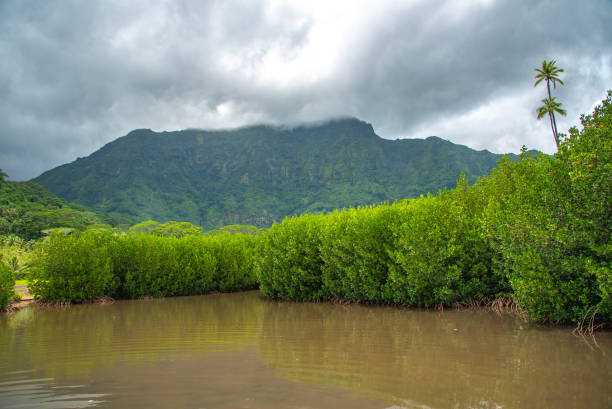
column 3, row 175
column 236, row 228
column 144, row 227
column 549, row 72
column 177, row 229
column 168, row 229
column 550, row 106
column 26, row 228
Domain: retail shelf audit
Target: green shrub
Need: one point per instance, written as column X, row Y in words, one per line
column 99, row 263
column 18, row 254
column 197, row 265
column 587, row 159
column 235, row 255
column 290, row 263
column 440, row 256
column 355, row 245
column 73, row 268
column 7, row 286
column 149, row 265
column 530, row 224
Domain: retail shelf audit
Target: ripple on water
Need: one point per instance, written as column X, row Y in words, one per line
column 19, row 390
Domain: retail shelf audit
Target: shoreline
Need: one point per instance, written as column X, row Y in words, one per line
column 499, row 306
column 23, row 303
column 25, row 300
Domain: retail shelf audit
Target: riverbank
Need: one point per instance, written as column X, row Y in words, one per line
column 21, row 304
column 26, row 299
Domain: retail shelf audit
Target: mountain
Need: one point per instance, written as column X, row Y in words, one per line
column 27, row 208
column 258, row 174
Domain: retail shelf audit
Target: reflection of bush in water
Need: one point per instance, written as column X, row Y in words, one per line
column 81, row 338
column 417, row 355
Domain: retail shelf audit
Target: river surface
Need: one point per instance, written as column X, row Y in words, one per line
column 242, row 351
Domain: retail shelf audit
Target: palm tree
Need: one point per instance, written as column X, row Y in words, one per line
column 549, row 73
column 550, row 106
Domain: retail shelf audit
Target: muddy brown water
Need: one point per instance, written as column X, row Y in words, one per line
column 242, row 351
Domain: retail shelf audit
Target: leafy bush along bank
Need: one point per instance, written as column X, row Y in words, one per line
column 7, row 283
column 18, row 254
column 93, row 264
column 538, row 230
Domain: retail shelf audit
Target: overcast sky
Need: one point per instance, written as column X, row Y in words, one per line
column 78, row 74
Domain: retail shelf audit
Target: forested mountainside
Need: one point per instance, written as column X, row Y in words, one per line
column 258, row 174
column 27, row 208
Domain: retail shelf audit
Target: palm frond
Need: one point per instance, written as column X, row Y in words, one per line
column 548, row 72
column 550, row 106
column 541, row 112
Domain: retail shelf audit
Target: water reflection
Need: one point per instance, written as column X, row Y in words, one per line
column 241, row 351
column 459, row 359
column 87, row 337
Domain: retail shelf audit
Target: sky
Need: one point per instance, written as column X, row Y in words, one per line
column 76, row 74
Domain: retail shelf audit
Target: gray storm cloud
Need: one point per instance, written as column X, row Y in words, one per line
column 76, row 75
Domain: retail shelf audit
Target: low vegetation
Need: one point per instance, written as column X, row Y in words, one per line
column 7, row 283
column 18, row 254
column 97, row 263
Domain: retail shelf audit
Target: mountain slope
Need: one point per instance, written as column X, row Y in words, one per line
column 26, row 208
column 258, row 174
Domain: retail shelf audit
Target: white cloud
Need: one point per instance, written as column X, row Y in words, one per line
column 506, row 123
column 79, row 74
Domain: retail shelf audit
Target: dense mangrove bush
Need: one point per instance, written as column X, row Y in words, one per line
column 538, row 230
column 290, row 263
column 355, row 250
column 550, row 220
column 439, row 255
column 74, row 268
column 235, row 256
column 420, row 252
column 7, row 284
column 149, row 265
column 98, row 263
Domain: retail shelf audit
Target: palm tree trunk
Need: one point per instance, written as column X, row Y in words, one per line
column 548, row 87
column 555, row 125
column 550, row 115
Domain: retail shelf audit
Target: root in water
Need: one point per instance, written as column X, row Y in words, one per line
column 501, row 305
column 588, row 325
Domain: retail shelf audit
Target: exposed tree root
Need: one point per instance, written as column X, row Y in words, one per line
column 103, row 300
column 52, row 304
column 499, row 305
column 502, row 305
column 588, row 324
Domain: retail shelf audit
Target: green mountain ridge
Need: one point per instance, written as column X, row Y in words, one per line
column 259, row 174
